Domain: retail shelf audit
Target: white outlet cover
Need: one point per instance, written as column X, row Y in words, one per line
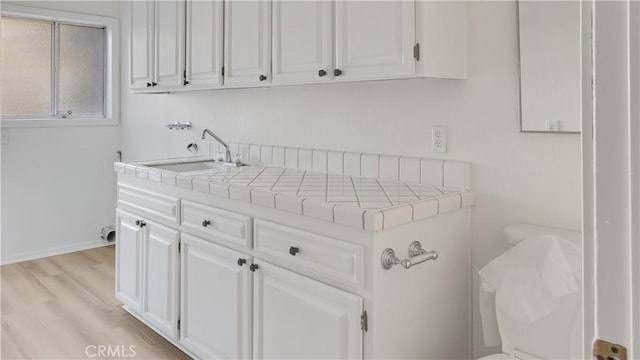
column 439, row 139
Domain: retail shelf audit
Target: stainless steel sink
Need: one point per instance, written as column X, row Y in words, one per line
column 194, row 165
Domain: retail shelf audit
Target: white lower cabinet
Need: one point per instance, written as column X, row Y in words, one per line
column 296, row 317
column 222, row 284
column 128, row 260
column 160, row 277
column 215, row 319
column 146, row 270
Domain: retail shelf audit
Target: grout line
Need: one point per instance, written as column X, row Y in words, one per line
column 301, row 181
column 255, row 177
column 356, row 193
column 413, row 191
column 385, row 192
column 276, row 182
column 326, row 188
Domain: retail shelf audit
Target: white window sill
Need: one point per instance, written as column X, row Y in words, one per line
column 33, row 123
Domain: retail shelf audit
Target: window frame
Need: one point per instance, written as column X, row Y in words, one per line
column 111, row 66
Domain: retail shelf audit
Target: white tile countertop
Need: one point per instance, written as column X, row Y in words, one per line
column 366, row 203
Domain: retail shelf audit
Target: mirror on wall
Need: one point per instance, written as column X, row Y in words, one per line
column 549, row 41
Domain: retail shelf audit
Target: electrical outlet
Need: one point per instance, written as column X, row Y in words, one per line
column 439, row 139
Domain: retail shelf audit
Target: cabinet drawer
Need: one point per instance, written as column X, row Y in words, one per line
column 154, row 205
column 216, row 224
column 316, row 254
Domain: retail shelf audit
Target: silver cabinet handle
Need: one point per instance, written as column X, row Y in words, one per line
column 417, row 255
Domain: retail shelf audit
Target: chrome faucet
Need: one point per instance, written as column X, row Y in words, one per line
column 227, row 155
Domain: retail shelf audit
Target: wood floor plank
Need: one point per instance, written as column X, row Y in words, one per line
column 57, row 307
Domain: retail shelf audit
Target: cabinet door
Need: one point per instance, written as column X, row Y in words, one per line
column 141, row 44
column 169, row 37
column 204, row 43
column 215, row 319
column 302, row 41
column 247, row 51
column 160, row 277
column 299, row 318
column 374, row 39
column 128, row 260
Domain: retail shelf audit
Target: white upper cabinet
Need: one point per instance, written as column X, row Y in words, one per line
column 157, row 45
column 190, row 44
column 204, row 44
column 247, row 48
column 302, row 41
column 141, row 44
column 374, row 39
column 169, row 47
column 441, row 30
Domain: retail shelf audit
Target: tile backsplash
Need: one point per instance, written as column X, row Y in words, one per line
column 450, row 173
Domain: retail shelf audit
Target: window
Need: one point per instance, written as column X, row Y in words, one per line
column 57, row 68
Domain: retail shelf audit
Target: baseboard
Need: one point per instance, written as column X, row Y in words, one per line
column 25, row 256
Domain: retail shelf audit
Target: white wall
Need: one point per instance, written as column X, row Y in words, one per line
column 58, row 185
column 519, row 177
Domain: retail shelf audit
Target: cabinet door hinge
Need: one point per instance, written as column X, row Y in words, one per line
column 179, row 246
column 416, row 51
column 178, row 324
column 606, row 350
column 222, row 71
column 364, row 321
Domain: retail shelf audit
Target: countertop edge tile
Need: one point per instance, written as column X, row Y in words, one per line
column 373, row 220
column 201, row 185
column 397, row 216
column 219, row 189
column 468, row 198
column 289, row 203
column 169, row 178
column 241, row 193
column 318, row 209
column 449, row 202
column 425, row 209
column 263, row 198
column 349, row 214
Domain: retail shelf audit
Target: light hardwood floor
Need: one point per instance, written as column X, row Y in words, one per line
column 55, row 307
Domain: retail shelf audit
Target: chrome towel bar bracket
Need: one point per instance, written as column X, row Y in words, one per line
column 417, row 255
